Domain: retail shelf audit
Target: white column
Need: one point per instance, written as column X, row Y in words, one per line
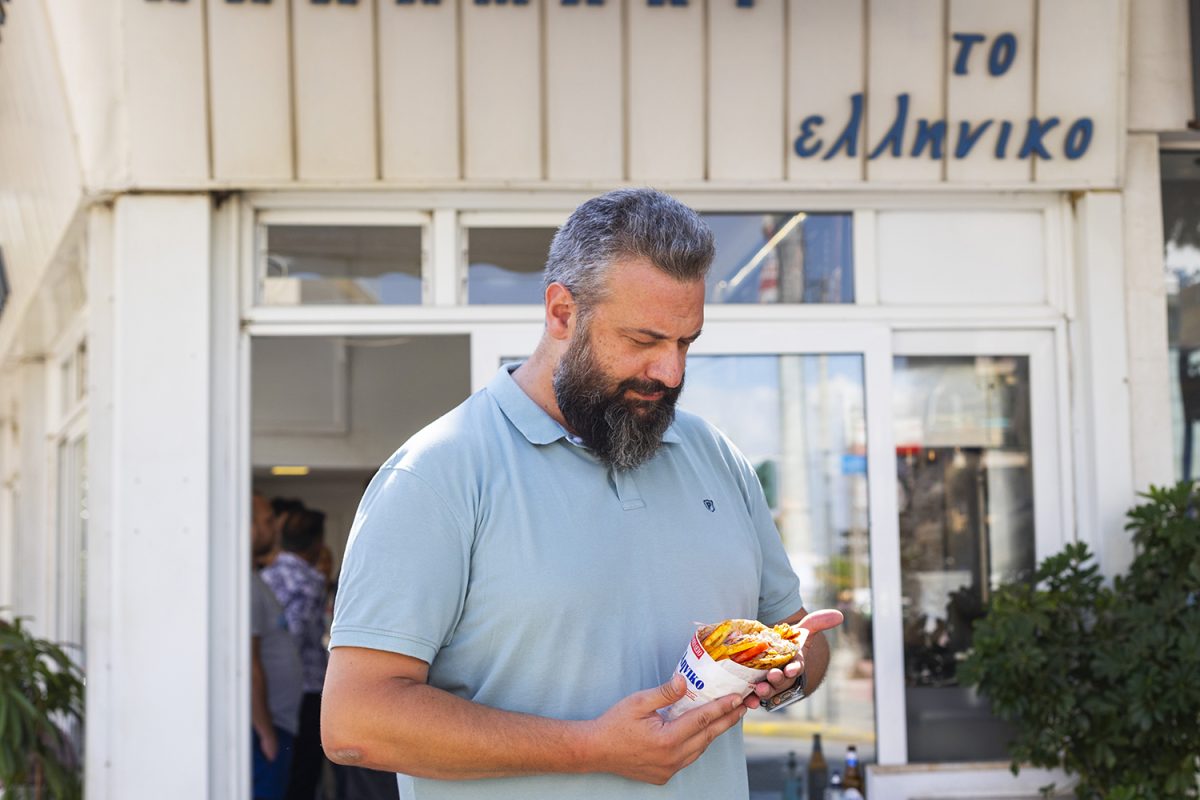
column 150, row 461
column 1146, row 311
column 1102, row 429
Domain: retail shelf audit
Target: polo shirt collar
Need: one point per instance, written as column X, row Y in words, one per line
column 531, row 419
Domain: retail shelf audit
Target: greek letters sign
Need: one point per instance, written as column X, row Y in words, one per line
column 935, row 139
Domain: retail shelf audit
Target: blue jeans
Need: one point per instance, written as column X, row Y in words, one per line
column 271, row 777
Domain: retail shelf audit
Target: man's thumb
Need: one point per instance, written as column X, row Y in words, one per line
column 822, row 620
column 665, row 695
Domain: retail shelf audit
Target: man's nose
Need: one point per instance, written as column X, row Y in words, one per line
column 667, row 368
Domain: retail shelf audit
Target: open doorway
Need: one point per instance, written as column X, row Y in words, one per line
column 326, row 412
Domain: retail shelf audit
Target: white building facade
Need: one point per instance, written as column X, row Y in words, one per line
column 245, row 235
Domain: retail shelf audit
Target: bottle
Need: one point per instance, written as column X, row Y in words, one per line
column 853, row 779
column 834, row 792
column 818, row 771
column 791, row 787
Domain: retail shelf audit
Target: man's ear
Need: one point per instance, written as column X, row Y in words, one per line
column 560, row 311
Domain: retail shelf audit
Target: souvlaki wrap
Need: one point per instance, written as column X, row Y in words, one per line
column 730, row 657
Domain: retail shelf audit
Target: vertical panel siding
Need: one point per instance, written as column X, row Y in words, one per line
column 418, row 89
column 334, row 63
column 501, row 52
column 978, row 95
column 250, row 100
column 164, row 78
column 746, row 96
column 825, row 70
column 906, row 60
column 584, row 91
column 1080, row 71
column 666, row 91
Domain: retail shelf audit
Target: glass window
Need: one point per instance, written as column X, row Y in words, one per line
column 782, row 258
column 342, row 265
column 1181, row 234
column 800, row 420
column 965, row 498
column 504, row 265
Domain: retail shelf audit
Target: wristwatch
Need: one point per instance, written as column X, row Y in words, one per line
column 787, row 696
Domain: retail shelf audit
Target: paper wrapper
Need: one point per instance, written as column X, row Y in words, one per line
column 708, row 680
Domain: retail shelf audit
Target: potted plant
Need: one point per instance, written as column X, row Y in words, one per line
column 41, row 694
column 1104, row 681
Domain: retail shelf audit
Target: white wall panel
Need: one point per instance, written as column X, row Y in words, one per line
column 825, row 71
column 906, row 55
column 155, row 399
column 39, row 165
column 666, row 91
column 165, row 92
column 86, row 42
column 418, row 89
column 250, row 97
column 585, row 110
column 334, row 65
column 502, row 104
column 1160, row 81
column 978, row 95
column 1079, row 75
column 745, row 90
column 961, row 257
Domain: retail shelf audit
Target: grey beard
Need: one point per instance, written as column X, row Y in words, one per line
column 606, row 421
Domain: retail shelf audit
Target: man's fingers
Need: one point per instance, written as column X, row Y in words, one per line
column 822, row 620
column 709, row 714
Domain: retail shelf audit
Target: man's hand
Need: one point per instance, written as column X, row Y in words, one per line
column 633, row 741
column 269, row 742
column 779, row 680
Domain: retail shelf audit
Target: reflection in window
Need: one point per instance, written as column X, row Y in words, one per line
column 800, row 420
column 504, row 265
column 781, row 258
column 1181, row 232
column 965, row 497
column 342, row 265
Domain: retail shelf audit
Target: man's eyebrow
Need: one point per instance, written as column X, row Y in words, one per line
column 653, row 334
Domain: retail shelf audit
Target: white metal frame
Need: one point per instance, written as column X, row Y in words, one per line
column 257, row 222
column 66, row 426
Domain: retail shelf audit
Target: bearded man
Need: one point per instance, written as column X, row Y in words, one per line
column 523, row 574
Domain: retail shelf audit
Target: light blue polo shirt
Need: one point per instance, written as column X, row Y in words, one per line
column 533, row 578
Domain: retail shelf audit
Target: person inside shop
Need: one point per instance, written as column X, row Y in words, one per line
column 301, row 588
column 275, row 671
column 524, row 574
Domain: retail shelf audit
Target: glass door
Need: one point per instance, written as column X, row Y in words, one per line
column 979, row 484
column 807, row 405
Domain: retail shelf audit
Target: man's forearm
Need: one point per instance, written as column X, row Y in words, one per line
column 414, row 728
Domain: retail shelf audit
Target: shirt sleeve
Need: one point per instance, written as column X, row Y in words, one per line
column 404, row 576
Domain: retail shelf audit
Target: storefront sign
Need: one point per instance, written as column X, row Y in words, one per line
column 1014, row 138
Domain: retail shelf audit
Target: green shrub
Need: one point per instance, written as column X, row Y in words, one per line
column 1103, row 681
column 41, row 692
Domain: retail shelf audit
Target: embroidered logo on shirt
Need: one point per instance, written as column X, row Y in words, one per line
column 710, row 505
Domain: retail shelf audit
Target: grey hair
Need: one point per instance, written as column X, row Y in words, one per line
column 624, row 224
